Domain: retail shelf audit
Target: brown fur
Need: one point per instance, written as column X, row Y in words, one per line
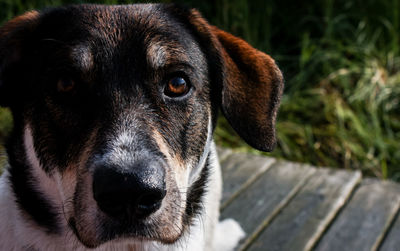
column 252, row 85
column 29, row 18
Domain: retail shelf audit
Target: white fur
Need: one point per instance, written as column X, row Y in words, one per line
column 18, row 232
column 228, row 233
column 157, row 54
column 195, row 172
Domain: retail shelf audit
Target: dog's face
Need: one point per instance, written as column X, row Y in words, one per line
column 114, row 108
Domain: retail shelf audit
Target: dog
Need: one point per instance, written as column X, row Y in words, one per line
column 114, row 109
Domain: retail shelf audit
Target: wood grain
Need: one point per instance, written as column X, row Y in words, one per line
column 363, row 222
column 392, row 240
column 238, row 171
column 303, row 220
column 255, row 207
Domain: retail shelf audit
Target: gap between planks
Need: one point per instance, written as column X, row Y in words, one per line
column 391, row 238
column 276, row 210
column 365, row 220
column 239, row 170
column 385, row 239
column 302, row 221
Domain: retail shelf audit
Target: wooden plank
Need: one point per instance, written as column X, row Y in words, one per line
column 303, row 220
column 255, row 207
column 223, row 153
column 392, row 240
column 362, row 223
column 238, row 171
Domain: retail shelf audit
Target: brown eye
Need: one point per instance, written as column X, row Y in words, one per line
column 176, row 87
column 65, row 85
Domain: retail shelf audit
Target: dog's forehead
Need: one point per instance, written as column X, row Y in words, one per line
column 121, row 22
column 145, row 31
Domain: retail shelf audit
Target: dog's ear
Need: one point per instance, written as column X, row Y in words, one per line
column 250, row 82
column 251, row 90
column 12, row 39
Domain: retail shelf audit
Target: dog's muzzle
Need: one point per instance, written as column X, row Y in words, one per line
column 132, row 192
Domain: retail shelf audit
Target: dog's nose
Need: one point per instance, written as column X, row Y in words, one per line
column 135, row 192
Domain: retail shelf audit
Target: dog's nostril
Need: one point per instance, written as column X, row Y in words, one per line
column 114, row 206
column 149, row 202
column 136, row 194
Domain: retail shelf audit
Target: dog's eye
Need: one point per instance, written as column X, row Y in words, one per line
column 176, row 87
column 65, row 85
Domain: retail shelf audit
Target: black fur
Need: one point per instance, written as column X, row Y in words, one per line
column 119, row 84
column 196, row 193
column 117, row 110
column 29, row 198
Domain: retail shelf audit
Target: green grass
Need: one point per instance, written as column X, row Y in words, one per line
column 341, row 61
column 341, row 105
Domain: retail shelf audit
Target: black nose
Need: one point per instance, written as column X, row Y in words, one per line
column 136, row 191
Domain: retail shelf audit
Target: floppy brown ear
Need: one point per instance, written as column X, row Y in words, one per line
column 251, row 90
column 251, row 83
column 12, row 39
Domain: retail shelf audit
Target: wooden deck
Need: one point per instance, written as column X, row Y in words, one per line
column 288, row 206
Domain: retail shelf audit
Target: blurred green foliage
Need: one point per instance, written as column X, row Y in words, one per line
column 341, row 62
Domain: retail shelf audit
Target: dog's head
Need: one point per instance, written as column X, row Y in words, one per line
column 114, row 108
